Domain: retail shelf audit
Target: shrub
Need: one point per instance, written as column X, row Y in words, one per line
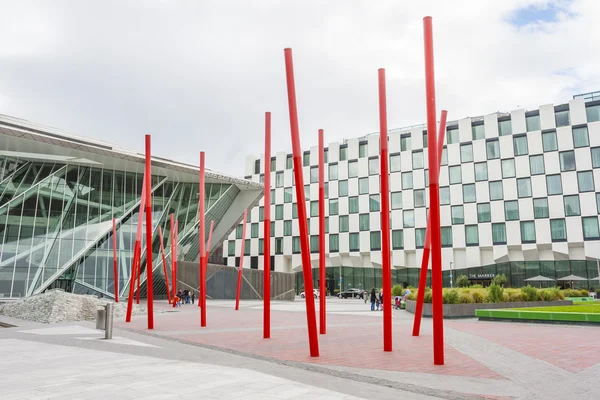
column 531, row 293
column 462, row 281
column 575, row 293
column 465, row 298
column 427, row 296
column 477, row 297
column 584, row 293
column 551, row 294
column 500, row 280
column 450, row 296
column 412, row 296
column 516, row 296
column 495, row 293
column 336, row 292
column 397, row 290
column 478, row 286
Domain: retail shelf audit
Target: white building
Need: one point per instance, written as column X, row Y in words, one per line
column 519, row 195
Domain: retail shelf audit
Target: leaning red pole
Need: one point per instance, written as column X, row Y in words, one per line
column 173, row 257
column 175, row 251
column 267, row 233
column 164, row 260
column 149, row 287
column 136, row 251
column 434, row 196
column 322, row 275
column 427, row 247
column 385, row 214
column 201, row 236
column 239, row 278
column 115, row 270
column 311, row 318
column 212, row 223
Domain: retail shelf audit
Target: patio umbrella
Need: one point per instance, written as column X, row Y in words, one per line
column 572, row 278
column 539, row 279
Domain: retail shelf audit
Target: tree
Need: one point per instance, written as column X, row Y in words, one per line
column 500, row 280
column 462, row 281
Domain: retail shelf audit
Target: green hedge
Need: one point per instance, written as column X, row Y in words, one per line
column 495, row 294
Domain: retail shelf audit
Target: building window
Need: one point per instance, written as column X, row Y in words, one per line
column 469, row 195
column 373, row 166
column 333, row 207
column 354, row 239
column 455, row 174
column 257, row 166
column 405, row 142
column 314, row 174
column 296, row 245
column 272, row 229
column 536, row 165
column 532, row 122
column 505, row 127
column 444, row 195
column 254, row 230
column 352, row 169
column 596, row 157
column 261, row 247
column 343, row 153
column 397, row 200
column 395, row 163
column 540, row 208
column 306, row 159
column 484, row 213
column 344, row 224
column 272, row 197
column 499, row 233
column 287, row 195
column 247, row 247
column 278, row 245
column 362, row 150
column 287, row 228
column 364, row 223
column 279, row 179
column 496, row 190
column 279, row 212
column 374, row 203
column 585, row 180
column 325, row 156
column 590, row 228
column 254, row 262
column 363, row 185
column 446, row 236
column 424, row 139
column 472, row 235
column 409, row 218
column 294, row 210
column 231, row 248
column 353, row 205
column 511, row 210
column 478, row 131
column 562, row 118
column 527, row 232
column 238, row 231
column 558, row 230
column 307, row 192
column 466, row 153
column 419, row 238
column 572, row 206
column 598, row 202
column 452, row 135
column 444, row 156
column 567, row 161
column 273, row 165
column 288, row 162
column 493, row 149
column 580, row 137
column 417, row 158
column 458, row 215
column 549, row 141
column 314, row 208
column 520, row 145
column 261, row 214
column 314, row 243
column 333, row 172
column 508, row 168
column 334, row 243
column 481, row 172
column 419, row 198
column 524, row 187
column 553, row 184
column 397, row 239
column 593, row 113
column 407, row 180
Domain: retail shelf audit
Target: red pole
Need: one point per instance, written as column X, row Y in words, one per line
column 149, row 287
column 164, row 260
column 434, row 196
column 322, row 277
column 212, row 223
column 115, row 270
column 201, row 236
column 311, row 318
column 136, row 252
column 239, row 280
column 267, row 233
column 172, row 234
column 427, row 247
column 176, row 249
column 385, row 214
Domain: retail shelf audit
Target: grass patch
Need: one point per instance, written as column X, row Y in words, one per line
column 576, row 308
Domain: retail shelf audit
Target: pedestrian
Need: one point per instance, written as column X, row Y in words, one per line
column 193, row 297
column 373, row 299
column 380, row 299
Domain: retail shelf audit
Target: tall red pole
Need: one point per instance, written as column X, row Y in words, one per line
column 136, row 252
column 267, row 232
column 385, row 214
column 115, row 270
column 434, row 196
column 322, row 277
column 427, row 247
column 164, row 260
column 311, row 318
column 239, row 279
column 212, row 223
column 172, row 234
column 176, row 250
column 202, row 241
column 149, row 287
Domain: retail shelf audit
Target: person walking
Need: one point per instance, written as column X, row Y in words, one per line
column 373, row 299
column 193, row 297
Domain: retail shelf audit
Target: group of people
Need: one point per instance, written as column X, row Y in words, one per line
column 184, row 297
column 377, row 299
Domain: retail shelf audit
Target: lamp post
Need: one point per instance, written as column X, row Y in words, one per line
column 451, row 276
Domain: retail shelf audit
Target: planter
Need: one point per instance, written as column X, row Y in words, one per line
column 468, row 310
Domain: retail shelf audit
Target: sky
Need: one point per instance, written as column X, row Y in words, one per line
column 199, row 75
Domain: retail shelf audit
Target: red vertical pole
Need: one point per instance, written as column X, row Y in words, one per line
column 322, row 294
column 136, row 252
column 176, row 250
column 149, row 287
column 115, row 270
column 239, row 280
column 212, row 223
column 164, row 260
column 434, row 196
column 311, row 318
column 385, row 214
column 201, row 236
column 172, row 234
column 267, row 233
column 427, row 247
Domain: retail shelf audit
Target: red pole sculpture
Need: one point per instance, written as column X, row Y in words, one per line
column 239, row 280
column 322, row 277
column 434, row 196
column 427, row 247
column 267, row 233
column 385, row 215
column 176, row 250
column 136, row 252
column 201, row 236
column 115, row 270
column 164, row 260
column 212, row 223
column 311, row 318
column 149, row 287
column 173, row 258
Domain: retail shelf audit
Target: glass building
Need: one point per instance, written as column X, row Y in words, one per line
column 58, row 197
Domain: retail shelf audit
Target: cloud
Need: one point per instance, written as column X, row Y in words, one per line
column 200, row 75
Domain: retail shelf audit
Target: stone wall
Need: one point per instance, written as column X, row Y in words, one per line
column 468, row 310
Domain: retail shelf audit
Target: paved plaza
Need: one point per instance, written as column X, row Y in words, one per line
column 229, row 358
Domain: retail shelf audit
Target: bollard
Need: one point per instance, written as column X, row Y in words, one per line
column 108, row 328
column 100, row 319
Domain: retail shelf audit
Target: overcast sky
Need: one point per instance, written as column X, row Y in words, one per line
column 199, row 75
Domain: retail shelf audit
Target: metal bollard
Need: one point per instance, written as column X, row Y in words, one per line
column 108, row 328
column 100, row 319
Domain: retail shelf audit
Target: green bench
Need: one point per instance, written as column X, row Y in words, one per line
column 580, row 299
